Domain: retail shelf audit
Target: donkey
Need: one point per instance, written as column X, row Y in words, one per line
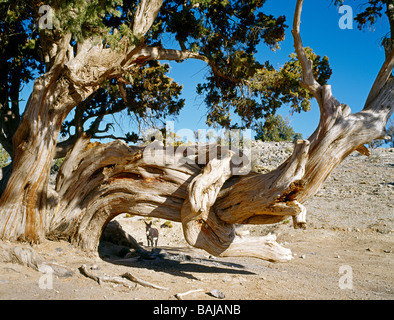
column 152, row 234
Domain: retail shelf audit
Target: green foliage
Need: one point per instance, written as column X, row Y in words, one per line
column 264, row 92
column 276, row 128
column 58, row 162
column 167, row 224
column 4, row 157
column 84, row 18
column 228, row 34
column 150, row 96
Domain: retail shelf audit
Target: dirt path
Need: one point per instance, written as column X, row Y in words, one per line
column 345, row 253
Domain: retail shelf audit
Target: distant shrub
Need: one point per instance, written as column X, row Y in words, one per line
column 167, row 224
column 275, row 128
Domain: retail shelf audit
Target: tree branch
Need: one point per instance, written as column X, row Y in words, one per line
column 110, row 136
column 390, row 16
column 158, row 53
column 308, row 79
column 65, row 146
column 59, row 57
column 381, row 79
column 144, row 16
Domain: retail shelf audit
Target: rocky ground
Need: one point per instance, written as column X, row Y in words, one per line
column 346, row 252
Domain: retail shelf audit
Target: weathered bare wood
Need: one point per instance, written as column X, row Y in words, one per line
column 21, row 255
column 308, row 79
column 381, row 79
column 103, row 278
column 141, row 282
column 28, row 257
column 256, row 198
column 204, row 229
column 180, row 296
column 146, row 13
column 115, row 178
column 100, row 279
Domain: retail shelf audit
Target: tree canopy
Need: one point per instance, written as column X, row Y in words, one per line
column 225, row 34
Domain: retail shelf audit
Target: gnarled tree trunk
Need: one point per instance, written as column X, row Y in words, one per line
column 197, row 187
column 24, row 200
column 97, row 182
column 71, row 78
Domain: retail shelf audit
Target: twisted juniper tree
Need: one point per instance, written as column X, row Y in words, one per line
column 96, row 44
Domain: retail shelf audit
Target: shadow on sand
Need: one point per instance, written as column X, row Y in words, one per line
column 181, row 262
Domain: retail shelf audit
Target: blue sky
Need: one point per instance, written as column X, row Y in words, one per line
column 355, row 57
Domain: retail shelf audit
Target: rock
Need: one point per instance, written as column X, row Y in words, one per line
column 266, row 156
column 217, row 294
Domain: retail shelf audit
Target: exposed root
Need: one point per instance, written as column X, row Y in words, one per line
column 30, row 258
column 103, row 278
column 265, row 248
column 118, row 280
column 180, row 296
column 141, row 282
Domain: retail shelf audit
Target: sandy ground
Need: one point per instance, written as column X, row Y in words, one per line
column 346, row 252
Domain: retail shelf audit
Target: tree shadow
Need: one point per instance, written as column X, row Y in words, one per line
column 179, row 262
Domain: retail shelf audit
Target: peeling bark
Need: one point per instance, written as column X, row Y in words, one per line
column 25, row 197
